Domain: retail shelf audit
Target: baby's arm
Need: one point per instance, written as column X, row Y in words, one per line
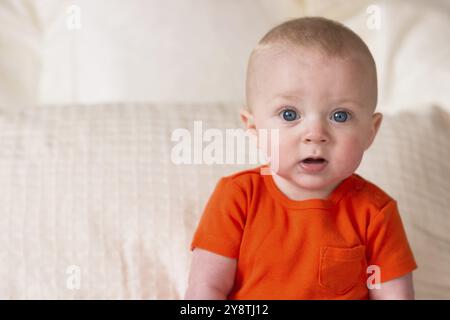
column 397, row 289
column 211, row 276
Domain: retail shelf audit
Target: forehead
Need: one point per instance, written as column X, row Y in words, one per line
column 292, row 72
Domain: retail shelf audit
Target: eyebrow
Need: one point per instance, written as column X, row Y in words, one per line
column 283, row 96
column 353, row 102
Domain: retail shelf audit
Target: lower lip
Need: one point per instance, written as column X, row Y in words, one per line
column 313, row 167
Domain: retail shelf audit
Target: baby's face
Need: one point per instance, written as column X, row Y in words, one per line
column 323, row 107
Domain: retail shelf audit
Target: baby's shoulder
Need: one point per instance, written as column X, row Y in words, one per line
column 245, row 178
column 371, row 194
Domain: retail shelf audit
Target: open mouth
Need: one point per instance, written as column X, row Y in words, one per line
column 313, row 165
column 313, row 160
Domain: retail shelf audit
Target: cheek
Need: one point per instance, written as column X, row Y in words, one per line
column 277, row 144
column 289, row 146
column 349, row 152
column 269, row 136
column 289, row 150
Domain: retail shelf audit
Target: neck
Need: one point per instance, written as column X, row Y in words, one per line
column 294, row 192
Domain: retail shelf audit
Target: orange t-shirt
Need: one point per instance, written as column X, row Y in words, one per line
column 309, row 249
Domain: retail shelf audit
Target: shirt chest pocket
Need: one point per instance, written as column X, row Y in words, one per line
column 341, row 268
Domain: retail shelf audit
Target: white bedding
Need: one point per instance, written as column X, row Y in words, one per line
column 93, row 186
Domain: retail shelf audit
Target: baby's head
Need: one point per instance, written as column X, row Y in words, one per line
column 315, row 81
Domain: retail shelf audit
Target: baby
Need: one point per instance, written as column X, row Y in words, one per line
column 312, row 229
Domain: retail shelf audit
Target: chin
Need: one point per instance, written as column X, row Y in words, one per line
column 311, row 182
column 306, row 181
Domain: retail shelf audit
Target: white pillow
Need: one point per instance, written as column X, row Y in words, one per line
column 20, row 55
column 152, row 50
column 411, row 46
column 197, row 50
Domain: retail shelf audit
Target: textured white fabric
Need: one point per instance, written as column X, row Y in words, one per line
column 93, row 186
column 410, row 159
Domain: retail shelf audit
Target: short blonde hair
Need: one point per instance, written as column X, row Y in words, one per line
column 330, row 37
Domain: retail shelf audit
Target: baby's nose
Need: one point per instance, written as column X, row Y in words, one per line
column 315, row 134
column 315, row 140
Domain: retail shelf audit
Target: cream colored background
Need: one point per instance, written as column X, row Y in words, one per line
column 86, row 117
column 196, row 50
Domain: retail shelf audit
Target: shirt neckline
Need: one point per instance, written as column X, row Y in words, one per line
column 352, row 182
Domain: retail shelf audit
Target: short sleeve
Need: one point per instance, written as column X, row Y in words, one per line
column 222, row 224
column 387, row 244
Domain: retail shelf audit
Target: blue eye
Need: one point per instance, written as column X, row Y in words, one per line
column 341, row 116
column 289, row 114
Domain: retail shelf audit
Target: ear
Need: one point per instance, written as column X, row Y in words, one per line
column 247, row 120
column 377, row 118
